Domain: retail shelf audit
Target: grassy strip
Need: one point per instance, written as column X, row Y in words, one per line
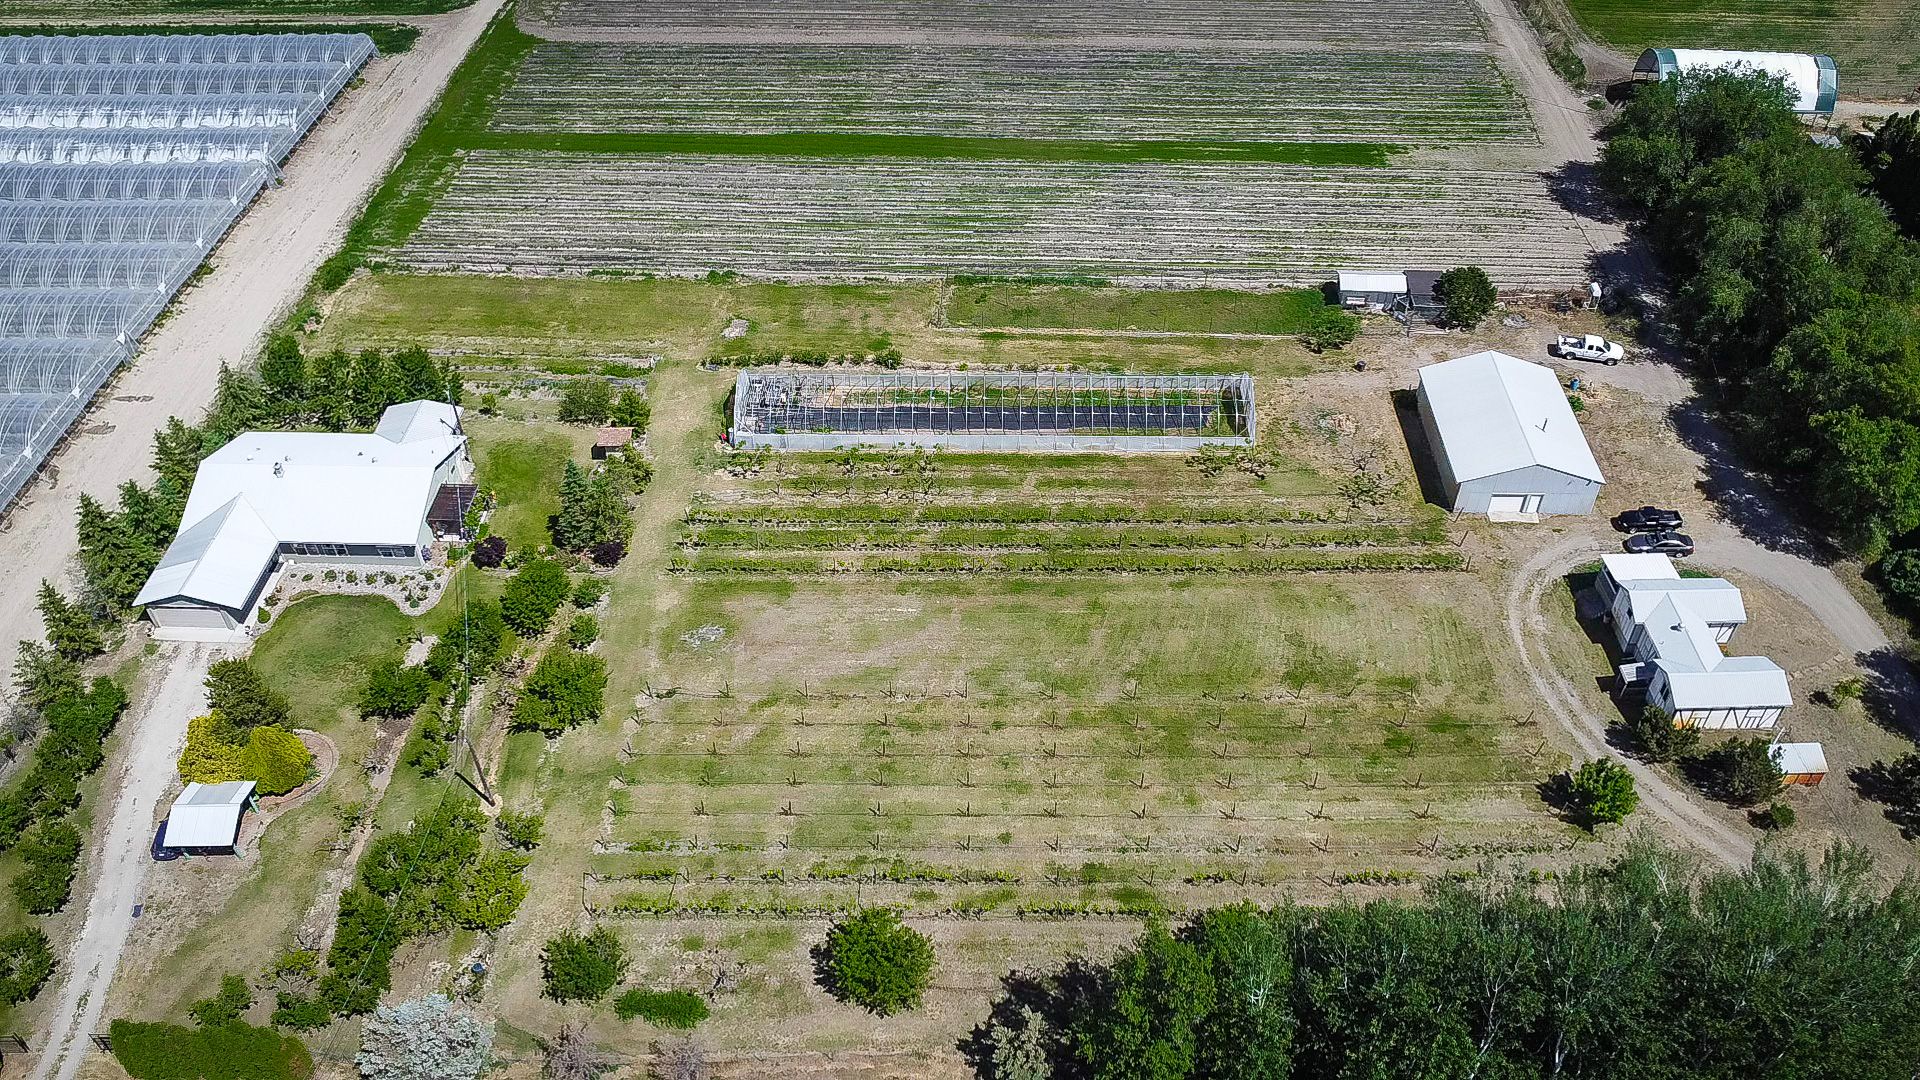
column 390, row 38
column 1013, row 513
column 1072, row 562
column 1051, row 539
column 404, row 197
column 822, row 144
column 1193, row 311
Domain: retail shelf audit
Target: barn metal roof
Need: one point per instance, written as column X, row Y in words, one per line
column 1497, row 413
column 207, row 815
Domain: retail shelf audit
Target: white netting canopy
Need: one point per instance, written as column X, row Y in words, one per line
column 123, row 160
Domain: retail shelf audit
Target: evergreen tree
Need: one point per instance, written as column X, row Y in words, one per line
column 330, row 390
column 70, row 630
column 239, row 404
column 148, row 517
column 283, row 371
column 115, row 557
column 414, row 376
column 177, row 449
column 631, row 409
column 240, row 695
column 570, row 525
column 371, row 389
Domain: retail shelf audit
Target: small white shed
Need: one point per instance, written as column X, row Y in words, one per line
column 206, row 817
column 1504, row 439
column 1802, row 763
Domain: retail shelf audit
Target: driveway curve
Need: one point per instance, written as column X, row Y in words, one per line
column 1659, row 795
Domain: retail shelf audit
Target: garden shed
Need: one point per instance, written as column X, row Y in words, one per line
column 1813, row 80
column 1803, row 763
column 205, row 819
column 1503, row 438
column 1382, row 290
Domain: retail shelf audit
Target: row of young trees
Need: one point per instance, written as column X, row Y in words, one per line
column 1794, row 287
column 1643, row 968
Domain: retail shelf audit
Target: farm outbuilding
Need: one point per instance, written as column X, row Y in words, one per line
column 1803, row 763
column 1503, row 438
column 205, row 819
column 1386, row 290
column 1813, row 80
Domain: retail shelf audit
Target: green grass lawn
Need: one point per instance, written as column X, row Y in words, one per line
column 521, row 463
column 1194, row 311
column 317, row 650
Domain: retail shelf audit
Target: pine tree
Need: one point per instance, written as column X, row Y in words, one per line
column 606, row 513
column 415, row 376
column 147, row 516
column 571, row 526
column 70, row 631
column 115, row 557
column 239, row 404
column 329, row 390
column 177, row 449
column 371, row 388
column 284, row 373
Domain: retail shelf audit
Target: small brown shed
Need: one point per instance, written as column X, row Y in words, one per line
column 611, row 440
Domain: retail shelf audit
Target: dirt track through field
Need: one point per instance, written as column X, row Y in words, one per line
column 1658, row 794
column 256, row 275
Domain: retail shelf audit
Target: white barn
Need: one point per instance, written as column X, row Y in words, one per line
column 269, row 496
column 1813, row 80
column 1670, row 629
column 1504, row 439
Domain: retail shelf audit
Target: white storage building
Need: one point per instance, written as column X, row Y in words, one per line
column 353, row 498
column 206, row 817
column 1813, row 80
column 1504, row 439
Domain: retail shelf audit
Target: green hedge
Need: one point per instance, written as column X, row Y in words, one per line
column 226, row 1052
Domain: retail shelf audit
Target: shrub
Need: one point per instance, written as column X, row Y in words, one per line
column 669, row 1008
column 1468, row 295
column 583, row 631
column 588, row 591
column 241, row 696
column 26, row 961
column 1656, row 736
column 1602, row 792
column 395, row 689
column 608, row 552
column 301, row 1012
column 1741, row 771
column 426, row 1038
column 875, row 961
column 582, row 967
column 523, row 832
column 1330, row 328
column 489, row 552
column 563, row 691
column 631, row 409
column 276, row 760
column 228, row 1052
column 226, row 1006
column 532, row 595
column 1022, row 1049
column 1900, row 573
column 210, row 756
column 1775, row 817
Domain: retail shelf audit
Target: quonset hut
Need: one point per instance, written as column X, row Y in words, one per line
column 1813, row 81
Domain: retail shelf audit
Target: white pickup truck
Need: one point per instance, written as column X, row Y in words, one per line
column 1587, row 347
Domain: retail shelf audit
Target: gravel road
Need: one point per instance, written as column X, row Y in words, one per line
column 257, row 274
column 156, row 729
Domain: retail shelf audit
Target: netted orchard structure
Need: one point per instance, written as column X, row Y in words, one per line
column 123, row 161
column 827, row 410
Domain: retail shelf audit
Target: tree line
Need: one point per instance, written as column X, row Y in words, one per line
column 1794, row 287
column 1641, row 969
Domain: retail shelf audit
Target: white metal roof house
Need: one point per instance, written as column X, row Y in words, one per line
column 206, row 817
column 1813, row 80
column 359, row 498
column 1671, row 628
column 1504, row 439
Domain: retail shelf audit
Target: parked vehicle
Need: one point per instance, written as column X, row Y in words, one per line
column 1678, row 545
column 1587, row 347
column 1648, row 519
column 163, row 854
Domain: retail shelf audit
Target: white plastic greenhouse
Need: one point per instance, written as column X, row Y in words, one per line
column 123, row 161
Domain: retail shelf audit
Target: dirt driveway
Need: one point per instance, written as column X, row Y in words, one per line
column 256, row 274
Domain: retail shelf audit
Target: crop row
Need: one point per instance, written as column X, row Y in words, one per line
column 1046, row 538
column 798, row 218
column 1237, row 512
column 1070, row 562
column 1366, row 22
column 1425, row 97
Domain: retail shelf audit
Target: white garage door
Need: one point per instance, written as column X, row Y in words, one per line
column 194, row 616
column 1508, row 504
